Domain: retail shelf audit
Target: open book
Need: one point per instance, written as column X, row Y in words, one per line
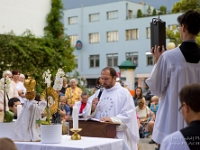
column 91, row 119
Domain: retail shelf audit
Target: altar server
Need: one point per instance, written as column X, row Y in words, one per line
column 189, row 137
column 173, row 70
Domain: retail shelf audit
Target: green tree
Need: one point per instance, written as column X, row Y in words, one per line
column 163, row 10
column 185, row 5
column 174, row 35
column 139, row 13
column 154, row 13
column 35, row 55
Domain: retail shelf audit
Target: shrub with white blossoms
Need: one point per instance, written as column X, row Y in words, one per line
column 5, row 82
column 58, row 80
column 47, row 78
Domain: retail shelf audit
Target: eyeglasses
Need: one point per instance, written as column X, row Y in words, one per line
column 178, row 27
column 180, row 108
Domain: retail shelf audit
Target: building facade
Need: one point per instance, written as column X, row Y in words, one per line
column 110, row 34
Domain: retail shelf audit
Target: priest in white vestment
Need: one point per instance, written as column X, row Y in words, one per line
column 173, row 70
column 26, row 129
column 116, row 105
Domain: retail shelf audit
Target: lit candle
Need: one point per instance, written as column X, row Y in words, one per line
column 19, row 109
column 75, row 117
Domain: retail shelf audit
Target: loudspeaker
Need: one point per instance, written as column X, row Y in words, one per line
column 158, row 33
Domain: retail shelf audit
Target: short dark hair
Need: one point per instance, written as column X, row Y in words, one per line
column 15, row 72
column 190, row 95
column 12, row 101
column 112, row 71
column 191, row 21
column 84, row 93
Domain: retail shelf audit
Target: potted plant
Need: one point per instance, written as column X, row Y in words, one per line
column 51, row 131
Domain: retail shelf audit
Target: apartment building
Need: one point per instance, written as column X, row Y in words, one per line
column 110, row 34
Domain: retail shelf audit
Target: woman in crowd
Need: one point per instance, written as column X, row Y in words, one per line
column 137, row 95
column 19, row 85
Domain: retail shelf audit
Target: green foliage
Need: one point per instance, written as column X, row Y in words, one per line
column 185, row 5
column 163, row 10
column 154, row 13
column 174, row 36
column 28, row 53
column 139, row 13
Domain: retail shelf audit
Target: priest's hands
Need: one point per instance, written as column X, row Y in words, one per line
column 94, row 103
column 157, row 52
column 106, row 119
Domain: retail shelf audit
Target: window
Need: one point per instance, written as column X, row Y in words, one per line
column 112, row 15
column 132, row 56
column 130, row 14
column 112, row 36
column 73, row 39
column 94, row 38
column 93, row 17
column 132, row 34
column 149, row 57
column 76, row 61
column 148, row 32
column 112, row 60
column 94, row 61
column 73, row 20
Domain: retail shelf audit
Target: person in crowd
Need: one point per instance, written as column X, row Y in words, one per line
column 145, row 115
column 13, row 90
column 154, row 108
column 116, row 105
column 64, row 87
column 11, row 93
column 143, row 111
column 73, row 94
column 137, row 95
column 187, row 138
column 12, row 104
column 172, row 70
column 64, row 109
column 98, row 85
column 21, row 77
column 19, row 85
column 7, row 144
column 81, row 105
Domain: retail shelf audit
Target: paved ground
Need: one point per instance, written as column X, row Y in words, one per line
column 144, row 144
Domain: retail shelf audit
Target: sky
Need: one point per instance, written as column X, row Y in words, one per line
column 68, row 4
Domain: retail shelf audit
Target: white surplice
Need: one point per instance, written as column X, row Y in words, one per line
column 168, row 76
column 26, row 128
column 174, row 141
column 117, row 103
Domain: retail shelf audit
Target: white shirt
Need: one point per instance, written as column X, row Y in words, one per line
column 20, row 86
column 117, row 103
column 174, row 141
column 168, row 76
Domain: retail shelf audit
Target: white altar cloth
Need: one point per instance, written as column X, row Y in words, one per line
column 86, row 143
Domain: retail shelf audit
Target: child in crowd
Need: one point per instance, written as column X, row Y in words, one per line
column 64, row 109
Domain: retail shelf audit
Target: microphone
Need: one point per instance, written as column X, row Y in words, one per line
column 100, row 92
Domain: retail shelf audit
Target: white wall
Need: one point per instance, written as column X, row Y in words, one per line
column 19, row 15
